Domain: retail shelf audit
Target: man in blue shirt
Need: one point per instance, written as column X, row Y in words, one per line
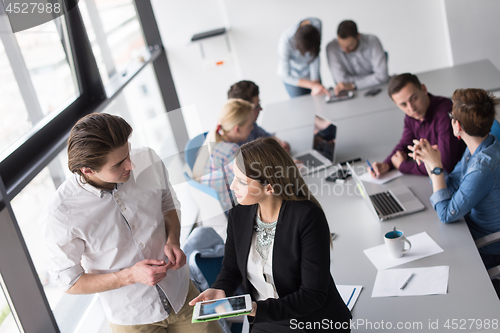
column 472, row 189
column 249, row 91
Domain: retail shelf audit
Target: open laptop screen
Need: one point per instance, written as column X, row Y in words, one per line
column 325, row 134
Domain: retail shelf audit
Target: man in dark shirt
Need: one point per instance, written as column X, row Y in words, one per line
column 426, row 118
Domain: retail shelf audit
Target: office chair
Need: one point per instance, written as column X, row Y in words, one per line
column 211, row 213
column 494, row 272
column 192, row 147
column 204, row 250
column 495, row 129
column 487, row 240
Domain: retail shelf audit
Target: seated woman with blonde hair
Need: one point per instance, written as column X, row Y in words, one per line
column 472, row 189
column 278, row 246
column 213, row 166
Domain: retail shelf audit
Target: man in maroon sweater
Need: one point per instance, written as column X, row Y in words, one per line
column 427, row 118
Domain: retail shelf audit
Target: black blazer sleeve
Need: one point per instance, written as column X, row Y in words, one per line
column 229, row 278
column 312, row 245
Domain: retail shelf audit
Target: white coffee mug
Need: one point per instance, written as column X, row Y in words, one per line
column 396, row 242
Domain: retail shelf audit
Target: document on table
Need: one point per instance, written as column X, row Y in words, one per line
column 385, row 178
column 422, row 245
column 425, row 281
column 349, row 294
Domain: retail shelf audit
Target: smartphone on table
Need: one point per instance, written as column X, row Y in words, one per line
column 373, row 92
column 339, row 176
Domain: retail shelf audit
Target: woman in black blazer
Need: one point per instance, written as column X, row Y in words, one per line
column 278, row 246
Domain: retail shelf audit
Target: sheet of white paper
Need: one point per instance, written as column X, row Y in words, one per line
column 422, row 245
column 349, row 294
column 385, row 178
column 426, row 281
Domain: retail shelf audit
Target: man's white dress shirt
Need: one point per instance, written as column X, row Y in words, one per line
column 90, row 230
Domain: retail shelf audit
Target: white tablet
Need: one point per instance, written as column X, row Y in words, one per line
column 224, row 307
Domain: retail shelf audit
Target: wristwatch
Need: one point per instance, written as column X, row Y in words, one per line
column 437, row 171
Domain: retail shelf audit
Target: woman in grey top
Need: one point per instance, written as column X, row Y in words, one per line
column 298, row 53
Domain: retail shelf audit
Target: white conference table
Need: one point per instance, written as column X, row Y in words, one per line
column 372, row 135
column 300, row 111
column 470, row 292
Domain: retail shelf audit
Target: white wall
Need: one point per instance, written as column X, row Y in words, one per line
column 474, row 30
column 414, row 33
column 178, row 21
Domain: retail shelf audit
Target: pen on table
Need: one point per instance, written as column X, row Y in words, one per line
column 349, row 301
column 407, row 280
column 371, row 168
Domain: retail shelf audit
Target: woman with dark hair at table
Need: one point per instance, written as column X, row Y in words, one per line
column 278, row 246
column 472, row 189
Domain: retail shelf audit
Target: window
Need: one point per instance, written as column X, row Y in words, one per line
column 49, row 61
column 36, row 195
column 50, row 76
column 15, row 120
column 115, row 35
column 37, row 78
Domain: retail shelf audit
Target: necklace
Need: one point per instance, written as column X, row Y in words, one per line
column 265, row 236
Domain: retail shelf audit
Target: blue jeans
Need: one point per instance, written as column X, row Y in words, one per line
column 295, row 91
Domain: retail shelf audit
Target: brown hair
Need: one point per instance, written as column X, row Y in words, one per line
column 400, row 81
column 347, row 29
column 265, row 161
column 92, row 138
column 475, row 110
column 245, row 90
column 234, row 113
column 308, row 39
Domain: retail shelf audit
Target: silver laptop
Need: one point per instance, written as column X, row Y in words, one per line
column 396, row 202
column 322, row 154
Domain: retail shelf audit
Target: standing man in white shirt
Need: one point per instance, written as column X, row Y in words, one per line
column 357, row 61
column 111, row 231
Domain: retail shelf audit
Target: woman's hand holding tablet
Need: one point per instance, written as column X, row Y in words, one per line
column 208, row 308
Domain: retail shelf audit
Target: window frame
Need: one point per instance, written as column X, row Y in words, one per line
column 37, row 148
